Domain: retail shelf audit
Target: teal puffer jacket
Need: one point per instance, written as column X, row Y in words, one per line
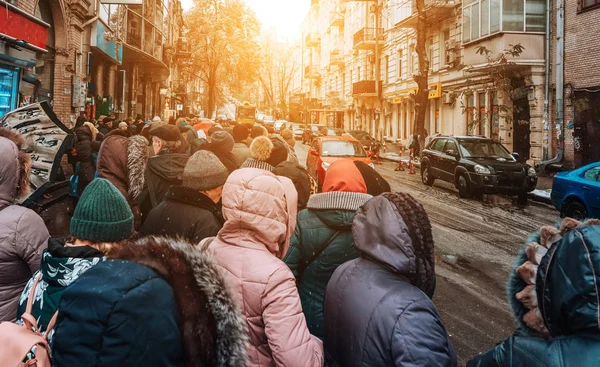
column 567, row 288
column 321, row 242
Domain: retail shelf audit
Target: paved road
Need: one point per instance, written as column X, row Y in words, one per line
column 484, row 237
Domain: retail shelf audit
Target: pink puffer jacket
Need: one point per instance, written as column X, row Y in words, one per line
column 260, row 216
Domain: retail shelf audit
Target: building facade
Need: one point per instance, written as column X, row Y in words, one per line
column 470, row 92
column 91, row 57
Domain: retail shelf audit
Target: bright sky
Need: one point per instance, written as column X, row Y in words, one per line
column 284, row 16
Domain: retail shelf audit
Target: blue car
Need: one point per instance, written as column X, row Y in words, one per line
column 576, row 194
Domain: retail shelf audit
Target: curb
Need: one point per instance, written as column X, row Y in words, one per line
column 390, row 159
column 540, row 199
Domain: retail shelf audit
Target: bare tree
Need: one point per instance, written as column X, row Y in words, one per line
column 422, row 77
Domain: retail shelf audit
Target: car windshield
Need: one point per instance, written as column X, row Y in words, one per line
column 343, row 148
column 361, row 135
column 316, row 127
column 484, row 149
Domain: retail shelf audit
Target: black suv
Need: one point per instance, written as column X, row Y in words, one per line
column 476, row 165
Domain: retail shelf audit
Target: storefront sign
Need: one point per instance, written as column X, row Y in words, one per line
column 106, row 44
column 23, row 28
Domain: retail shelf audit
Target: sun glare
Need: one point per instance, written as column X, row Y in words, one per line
column 284, row 16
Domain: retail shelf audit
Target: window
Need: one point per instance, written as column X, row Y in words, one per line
column 444, row 52
column 483, row 17
column 589, row 3
column 470, row 114
column 450, row 145
column 592, row 174
column 399, row 65
column 438, row 144
column 387, row 69
column 402, row 9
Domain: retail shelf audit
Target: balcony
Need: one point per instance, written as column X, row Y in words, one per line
column 435, row 10
column 336, row 19
column 365, row 38
column 312, row 72
column 312, row 40
column 336, row 58
column 365, row 88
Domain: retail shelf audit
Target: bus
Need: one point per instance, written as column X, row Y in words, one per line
column 246, row 114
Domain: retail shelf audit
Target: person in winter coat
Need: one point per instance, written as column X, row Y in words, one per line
column 85, row 149
column 241, row 149
column 165, row 169
column 323, row 240
column 107, row 125
column 378, row 308
column 191, row 211
column 23, row 234
column 554, row 295
column 258, row 130
column 260, row 151
column 221, row 144
column 153, row 302
column 123, row 161
column 299, row 177
column 65, row 260
column 288, row 136
column 260, row 215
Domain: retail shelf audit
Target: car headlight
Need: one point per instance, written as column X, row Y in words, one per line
column 482, row 170
column 531, row 172
column 372, row 165
column 325, row 165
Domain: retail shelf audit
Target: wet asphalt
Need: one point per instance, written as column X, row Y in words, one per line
column 476, row 242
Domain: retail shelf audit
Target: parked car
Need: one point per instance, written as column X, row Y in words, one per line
column 298, row 130
column 365, row 139
column 280, row 124
column 311, row 131
column 325, row 150
column 576, row 194
column 476, row 165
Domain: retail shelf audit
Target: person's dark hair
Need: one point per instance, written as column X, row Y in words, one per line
column 419, row 229
column 240, row 133
column 257, row 131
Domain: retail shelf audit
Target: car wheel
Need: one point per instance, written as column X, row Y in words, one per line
column 576, row 210
column 426, row 176
column 462, row 184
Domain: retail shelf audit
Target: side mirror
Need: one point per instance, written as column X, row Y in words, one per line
column 313, row 152
column 452, row 153
column 516, row 155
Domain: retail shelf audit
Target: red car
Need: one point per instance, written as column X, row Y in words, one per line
column 325, row 150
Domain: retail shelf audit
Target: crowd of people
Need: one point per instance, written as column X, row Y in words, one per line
column 212, row 248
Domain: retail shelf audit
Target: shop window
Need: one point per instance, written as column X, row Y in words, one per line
column 399, row 64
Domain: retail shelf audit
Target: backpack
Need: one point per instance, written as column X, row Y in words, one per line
column 24, row 345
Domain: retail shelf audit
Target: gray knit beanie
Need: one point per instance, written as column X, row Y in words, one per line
column 204, row 171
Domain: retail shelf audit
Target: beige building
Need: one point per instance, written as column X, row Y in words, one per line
column 465, row 95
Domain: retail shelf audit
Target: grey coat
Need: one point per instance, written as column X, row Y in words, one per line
column 374, row 315
column 241, row 151
column 23, row 234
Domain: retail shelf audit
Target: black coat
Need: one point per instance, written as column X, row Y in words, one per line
column 162, row 172
column 154, row 302
column 85, row 148
column 374, row 315
column 184, row 213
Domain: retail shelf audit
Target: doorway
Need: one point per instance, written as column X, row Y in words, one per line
column 521, row 119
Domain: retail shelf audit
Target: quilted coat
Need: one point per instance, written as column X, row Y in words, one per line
column 23, row 234
column 323, row 239
column 567, row 288
column 375, row 315
column 260, row 215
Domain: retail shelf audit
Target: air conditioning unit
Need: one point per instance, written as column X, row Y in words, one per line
column 452, row 59
column 449, row 98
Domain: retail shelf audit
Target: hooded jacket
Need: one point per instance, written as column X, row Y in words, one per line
column 155, row 302
column 323, row 240
column 374, row 315
column 162, row 171
column 60, row 267
column 23, row 234
column 567, row 297
column 184, row 213
column 122, row 161
column 221, row 144
column 260, row 215
column 299, row 177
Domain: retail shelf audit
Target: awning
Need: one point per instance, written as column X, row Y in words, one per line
column 22, row 29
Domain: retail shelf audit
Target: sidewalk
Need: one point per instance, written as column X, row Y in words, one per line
column 541, row 193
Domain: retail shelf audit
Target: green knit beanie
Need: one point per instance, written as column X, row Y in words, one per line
column 102, row 214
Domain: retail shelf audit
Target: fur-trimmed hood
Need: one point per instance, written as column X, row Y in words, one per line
column 213, row 330
column 122, row 161
column 15, row 167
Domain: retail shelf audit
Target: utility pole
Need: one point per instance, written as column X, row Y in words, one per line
column 378, row 88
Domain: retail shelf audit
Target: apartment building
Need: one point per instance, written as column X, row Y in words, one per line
column 465, row 97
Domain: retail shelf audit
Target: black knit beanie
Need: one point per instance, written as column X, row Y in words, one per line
column 279, row 153
column 376, row 184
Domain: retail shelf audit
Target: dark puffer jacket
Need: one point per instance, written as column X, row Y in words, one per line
column 86, row 146
column 221, row 144
column 154, row 302
column 321, row 242
column 567, row 288
column 375, row 316
column 163, row 171
column 186, row 213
